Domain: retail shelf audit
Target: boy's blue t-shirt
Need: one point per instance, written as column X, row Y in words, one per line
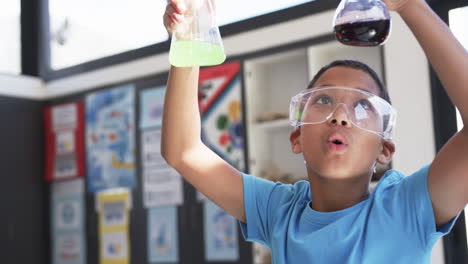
column 394, row 225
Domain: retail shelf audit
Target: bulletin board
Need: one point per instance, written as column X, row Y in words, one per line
column 189, row 213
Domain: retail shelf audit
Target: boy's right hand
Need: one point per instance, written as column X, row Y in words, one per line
column 174, row 14
column 400, row 5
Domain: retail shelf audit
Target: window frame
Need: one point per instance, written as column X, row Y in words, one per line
column 33, row 23
column 37, row 61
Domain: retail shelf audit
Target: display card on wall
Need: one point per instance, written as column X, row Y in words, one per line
column 220, row 99
column 113, row 209
column 162, row 185
column 110, row 138
column 67, row 216
column 163, row 236
column 220, row 234
column 151, row 107
column 64, row 141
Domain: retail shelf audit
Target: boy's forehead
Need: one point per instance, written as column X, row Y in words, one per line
column 347, row 77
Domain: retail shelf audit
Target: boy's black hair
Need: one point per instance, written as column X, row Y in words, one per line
column 355, row 65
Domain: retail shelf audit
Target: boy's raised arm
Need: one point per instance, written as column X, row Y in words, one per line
column 445, row 53
column 448, row 175
column 181, row 143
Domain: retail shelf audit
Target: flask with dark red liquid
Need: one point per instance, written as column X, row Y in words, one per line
column 362, row 22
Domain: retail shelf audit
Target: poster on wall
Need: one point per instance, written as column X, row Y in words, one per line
column 220, row 234
column 151, row 107
column 163, row 237
column 64, row 141
column 110, row 139
column 67, row 216
column 162, row 185
column 220, row 98
column 113, row 207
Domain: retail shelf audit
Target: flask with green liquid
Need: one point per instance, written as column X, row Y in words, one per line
column 196, row 41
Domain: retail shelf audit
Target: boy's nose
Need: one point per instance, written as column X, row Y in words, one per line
column 340, row 117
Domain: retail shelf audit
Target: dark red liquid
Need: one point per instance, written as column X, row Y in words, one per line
column 363, row 33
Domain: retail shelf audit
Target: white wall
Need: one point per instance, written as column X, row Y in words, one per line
column 406, row 70
column 408, row 82
column 22, row 86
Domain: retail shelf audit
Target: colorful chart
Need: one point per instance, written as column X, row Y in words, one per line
column 110, row 139
column 220, row 103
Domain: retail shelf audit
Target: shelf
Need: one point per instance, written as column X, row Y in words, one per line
column 275, row 124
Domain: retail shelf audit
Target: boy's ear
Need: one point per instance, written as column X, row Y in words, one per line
column 295, row 142
column 388, row 148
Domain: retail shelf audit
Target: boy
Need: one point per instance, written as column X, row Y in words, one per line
column 343, row 129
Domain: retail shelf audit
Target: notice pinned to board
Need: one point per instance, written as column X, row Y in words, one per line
column 220, row 234
column 220, row 100
column 163, row 238
column 162, row 185
column 151, row 107
column 64, row 133
column 67, row 215
column 110, row 139
column 114, row 207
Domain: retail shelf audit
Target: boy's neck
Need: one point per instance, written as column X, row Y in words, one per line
column 334, row 195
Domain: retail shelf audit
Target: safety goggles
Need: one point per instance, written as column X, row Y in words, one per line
column 364, row 110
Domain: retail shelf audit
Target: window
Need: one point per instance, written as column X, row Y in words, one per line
column 85, row 30
column 229, row 11
column 458, row 19
column 10, row 37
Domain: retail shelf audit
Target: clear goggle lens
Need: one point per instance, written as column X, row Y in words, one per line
column 363, row 109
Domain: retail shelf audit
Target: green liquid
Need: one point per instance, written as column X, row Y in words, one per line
column 195, row 53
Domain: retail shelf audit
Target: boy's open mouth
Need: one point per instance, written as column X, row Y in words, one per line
column 337, row 143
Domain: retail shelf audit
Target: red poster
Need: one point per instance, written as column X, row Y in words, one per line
column 64, row 141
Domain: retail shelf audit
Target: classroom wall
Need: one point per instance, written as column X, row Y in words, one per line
column 24, row 222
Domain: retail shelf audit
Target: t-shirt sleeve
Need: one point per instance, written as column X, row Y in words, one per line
column 258, row 197
column 412, row 197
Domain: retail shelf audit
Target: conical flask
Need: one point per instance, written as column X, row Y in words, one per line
column 362, row 22
column 196, row 41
